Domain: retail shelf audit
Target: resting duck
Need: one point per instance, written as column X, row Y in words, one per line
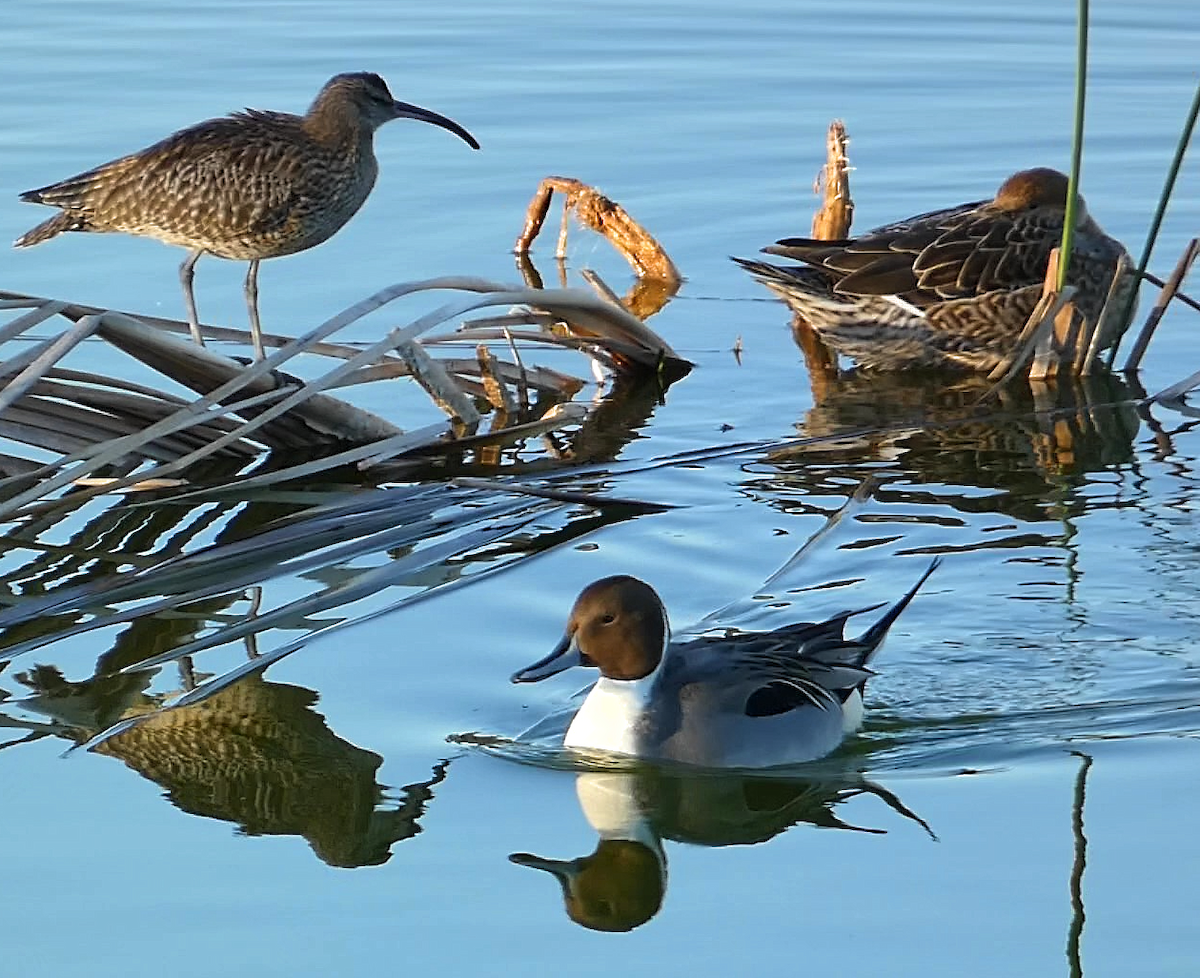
column 951, row 288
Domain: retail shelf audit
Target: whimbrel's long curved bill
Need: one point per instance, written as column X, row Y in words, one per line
column 406, row 110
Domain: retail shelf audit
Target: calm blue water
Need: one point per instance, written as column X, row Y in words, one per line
column 1063, row 621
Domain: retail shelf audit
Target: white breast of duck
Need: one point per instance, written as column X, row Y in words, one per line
column 614, row 716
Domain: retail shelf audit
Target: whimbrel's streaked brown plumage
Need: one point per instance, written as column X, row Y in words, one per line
column 249, row 186
column 949, row 288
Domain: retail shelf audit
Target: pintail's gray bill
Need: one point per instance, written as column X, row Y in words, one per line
column 563, row 869
column 565, row 655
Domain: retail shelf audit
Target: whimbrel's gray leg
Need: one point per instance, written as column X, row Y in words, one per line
column 252, row 305
column 187, row 272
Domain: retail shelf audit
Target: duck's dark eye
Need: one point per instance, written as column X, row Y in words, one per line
column 607, row 619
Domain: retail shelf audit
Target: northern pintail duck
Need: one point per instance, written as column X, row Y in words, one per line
column 742, row 699
column 951, row 287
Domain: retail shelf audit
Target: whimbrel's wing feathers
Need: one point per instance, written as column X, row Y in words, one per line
column 183, row 186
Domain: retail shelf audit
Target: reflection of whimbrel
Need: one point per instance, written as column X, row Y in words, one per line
column 249, row 186
column 951, row 287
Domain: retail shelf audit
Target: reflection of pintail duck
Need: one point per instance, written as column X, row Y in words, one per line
column 748, row 699
column 951, row 288
column 623, row 882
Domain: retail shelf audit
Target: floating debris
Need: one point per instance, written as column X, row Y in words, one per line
column 96, row 424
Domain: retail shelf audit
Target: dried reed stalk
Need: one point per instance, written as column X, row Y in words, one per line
column 604, row 216
column 244, row 404
column 1038, row 327
column 1087, row 355
column 493, row 383
column 831, row 222
column 1160, row 307
column 1052, row 345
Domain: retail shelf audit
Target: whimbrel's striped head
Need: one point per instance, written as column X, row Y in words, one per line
column 366, row 95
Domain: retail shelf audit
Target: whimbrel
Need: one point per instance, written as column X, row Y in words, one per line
column 249, row 186
column 952, row 287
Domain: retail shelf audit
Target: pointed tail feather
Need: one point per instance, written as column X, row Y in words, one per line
column 48, row 229
column 803, row 282
column 800, row 248
column 873, row 637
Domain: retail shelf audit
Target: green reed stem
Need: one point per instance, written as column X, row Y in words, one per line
column 1068, row 238
column 1163, row 199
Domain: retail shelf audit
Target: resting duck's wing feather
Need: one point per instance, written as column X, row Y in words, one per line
column 949, row 254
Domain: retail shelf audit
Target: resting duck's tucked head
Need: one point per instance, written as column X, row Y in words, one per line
column 1028, row 190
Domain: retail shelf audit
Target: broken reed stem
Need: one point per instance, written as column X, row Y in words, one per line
column 832, row 220
column 1040, row 322
column 1062, row 342
column 495, row 388
column 1051, row 343
column 535, row 217
column 564, row 226
column 438, row 384
column 1160, row 211
column 1183, row 297
column 522, row 382
column 601, row 287
column 1160, row 306
column 1038, row 327
column 604, row 216
column 1087, row 356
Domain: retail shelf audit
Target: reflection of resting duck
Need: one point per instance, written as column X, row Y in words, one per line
column 950, row 288
column 746, row 699
column 1023, row 438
